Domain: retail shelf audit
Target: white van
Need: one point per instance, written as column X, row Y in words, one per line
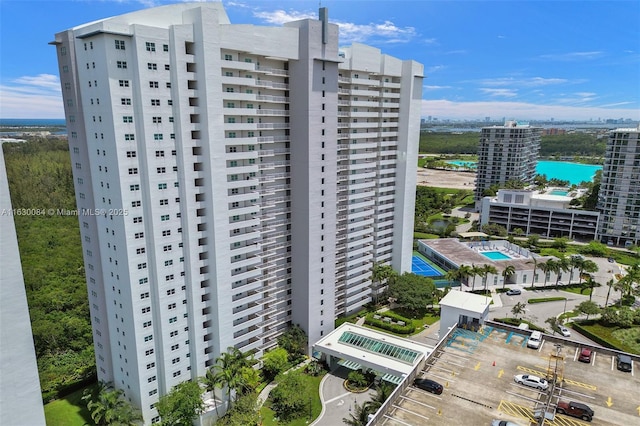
column 534, row 340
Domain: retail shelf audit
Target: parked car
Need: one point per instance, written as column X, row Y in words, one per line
column 514, row 292
column 498, row 422
column 575, row 409
column 623, row 363
column 611, row 260
column 531, row 381
column 534, row 340
column 585, row 355
column 428, row 385
column 564, row 331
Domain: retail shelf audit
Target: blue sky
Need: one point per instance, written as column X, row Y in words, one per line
column 516, row 59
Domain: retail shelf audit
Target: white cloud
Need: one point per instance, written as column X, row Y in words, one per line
column 572, row 56
column 437, row 87
column 504, row 93
column 32, row 97
column 435, row 68
column 445, row 109
column 350, row 32
column 522, row 82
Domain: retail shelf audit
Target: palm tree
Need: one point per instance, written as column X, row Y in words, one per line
column 108, row 406
column 588, row 266
column 486, row 271
column 383, row 392
column 590, row 283
column 518, row 309
column 562, row 265
column 507, row 273
column 609, row 284
column 623, row 286
column 227, row 371
column 546, row 267
column 535, row 267
column 475, row 271
column 576, row 262
column 381, row 275
column 464, row 272
column 360, row 415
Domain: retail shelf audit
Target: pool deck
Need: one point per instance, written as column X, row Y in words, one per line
column 461, row 254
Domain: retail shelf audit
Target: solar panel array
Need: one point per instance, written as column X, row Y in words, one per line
column 376, row 346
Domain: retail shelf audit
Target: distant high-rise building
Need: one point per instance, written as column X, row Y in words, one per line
column 234, row 180
column 20, row 393
column 508, row 152
column 619, row 196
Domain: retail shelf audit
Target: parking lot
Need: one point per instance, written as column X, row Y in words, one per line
column 477, row 371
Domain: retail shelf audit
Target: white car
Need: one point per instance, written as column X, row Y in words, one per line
column 499, row 422
column 531, row 381
column 564, row 331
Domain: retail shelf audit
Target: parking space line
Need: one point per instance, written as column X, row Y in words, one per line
column 417, row 402
column 593, row 361
column 455, row 355
column 575, row 355
column 576, row 393
column 522, row 396
column 409, row 411
column 532, row 371
column 421, row 392
column 397, row 420
column 580, row 384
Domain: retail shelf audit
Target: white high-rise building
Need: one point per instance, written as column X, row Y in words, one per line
column 505, row 153
column 619, row 196
column 231, row 180
column 20, row 393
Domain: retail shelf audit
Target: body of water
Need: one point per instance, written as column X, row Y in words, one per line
column 563, row 170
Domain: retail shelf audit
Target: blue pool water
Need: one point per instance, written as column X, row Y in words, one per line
column 558, row 192
column 563, row 170
column 495, row 255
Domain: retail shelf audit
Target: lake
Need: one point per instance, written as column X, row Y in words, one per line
column 563, row 170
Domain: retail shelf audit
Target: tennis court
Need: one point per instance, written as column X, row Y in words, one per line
column 420, row 267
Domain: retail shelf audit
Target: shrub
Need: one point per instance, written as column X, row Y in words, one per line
column 545, row 299
column 358, row 379
column 394, row 328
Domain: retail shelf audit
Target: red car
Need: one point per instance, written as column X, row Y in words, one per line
column 585, row 355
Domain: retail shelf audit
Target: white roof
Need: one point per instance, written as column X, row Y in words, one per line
column 331, row 345
column 467, row 301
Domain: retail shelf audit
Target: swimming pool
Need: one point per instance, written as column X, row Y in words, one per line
column 563, row 170
column 558, row 192
column 495, row 255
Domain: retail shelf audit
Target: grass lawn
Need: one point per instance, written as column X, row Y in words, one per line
column 69, row 411
column 624, row 338
column 313, row 390
column 545, row 299
column 577, row 290
column 567, row 315
column 630, row 337
column 418, row 323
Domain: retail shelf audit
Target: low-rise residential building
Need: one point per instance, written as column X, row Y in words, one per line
column 547, row 213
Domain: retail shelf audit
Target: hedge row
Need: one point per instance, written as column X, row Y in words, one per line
column 599, row 340
column 545, row 299
column 394, row 328
column 516, row 322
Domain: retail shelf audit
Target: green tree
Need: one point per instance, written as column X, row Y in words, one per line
column 182, row 405
column 560, row 243
column 412, row 292
column 507, row 272
column 381, row 275
column 588, row 308
column 274, row 362
column 359, row 416
column 108, row 406
column 294, row 341
column 610, row 284
column 227, row 373
column 475, row 271
column 553, row 323
column 546, row 268
column 464, row 272
column 588, row 266
column 245, row 412
column 383, row 392
column 357, row 378
column 518, row 309
column 289, row 398
column 486, row 271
